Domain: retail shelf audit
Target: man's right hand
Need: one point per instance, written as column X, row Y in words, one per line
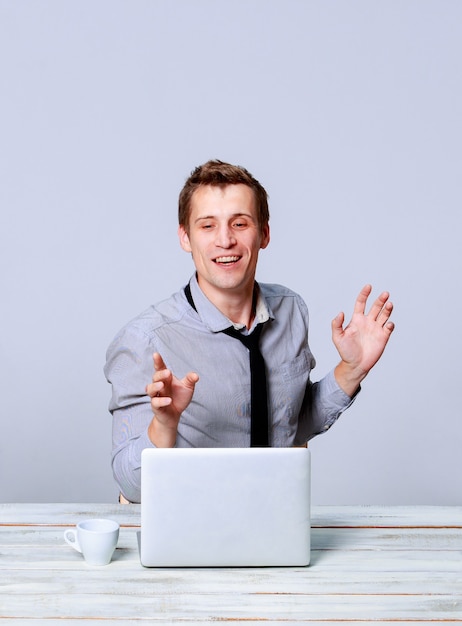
column 169, row 398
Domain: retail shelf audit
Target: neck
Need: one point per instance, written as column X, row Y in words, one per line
column 239, row 306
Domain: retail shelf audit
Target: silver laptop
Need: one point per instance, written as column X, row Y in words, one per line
column 229, row 507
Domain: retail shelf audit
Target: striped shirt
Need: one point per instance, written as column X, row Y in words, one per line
column 219, row 413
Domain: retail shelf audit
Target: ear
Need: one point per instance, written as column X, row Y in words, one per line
column 265, row 237
column 184, row 239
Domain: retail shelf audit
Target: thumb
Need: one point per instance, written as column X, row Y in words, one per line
column 190, row 380
column 337, row 324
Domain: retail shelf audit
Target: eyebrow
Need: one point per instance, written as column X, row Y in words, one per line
column 233, row 216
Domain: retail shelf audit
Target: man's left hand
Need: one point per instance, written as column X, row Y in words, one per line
column 362, row 342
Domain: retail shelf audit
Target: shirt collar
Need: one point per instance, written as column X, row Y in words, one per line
column 214, row 319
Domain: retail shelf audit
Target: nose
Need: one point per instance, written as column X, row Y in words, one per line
column 225, row 237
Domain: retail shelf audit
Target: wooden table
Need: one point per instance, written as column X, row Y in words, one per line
column 385, row 564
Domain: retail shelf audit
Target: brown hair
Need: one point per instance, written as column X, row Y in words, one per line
column 220, row 174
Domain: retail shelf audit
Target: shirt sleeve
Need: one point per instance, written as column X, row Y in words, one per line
column 323, row 404
column 127, row 370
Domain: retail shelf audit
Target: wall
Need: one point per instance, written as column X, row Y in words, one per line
column 348, row 113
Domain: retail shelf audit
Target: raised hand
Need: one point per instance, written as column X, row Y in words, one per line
column 169, row 398
column 362, row 342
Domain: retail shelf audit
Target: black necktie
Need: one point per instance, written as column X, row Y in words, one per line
column 258, row 393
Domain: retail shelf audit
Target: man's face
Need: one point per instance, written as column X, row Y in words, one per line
column 224, row 239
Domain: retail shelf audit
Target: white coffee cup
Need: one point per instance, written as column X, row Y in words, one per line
column 96, row 539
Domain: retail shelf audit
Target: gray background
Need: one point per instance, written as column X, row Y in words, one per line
column 349, row 112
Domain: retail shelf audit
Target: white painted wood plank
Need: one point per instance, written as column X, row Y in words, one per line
column 140, row 582
column 71, row 513
column 248, row 622
column 391, row 516
column 67, row 514
column 321, row 538
column 236, row 606
column 34, row 540
column 344, row 566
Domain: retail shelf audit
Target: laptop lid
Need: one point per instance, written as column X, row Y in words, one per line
column 225, row 507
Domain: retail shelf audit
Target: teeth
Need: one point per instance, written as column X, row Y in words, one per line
column 227, row 259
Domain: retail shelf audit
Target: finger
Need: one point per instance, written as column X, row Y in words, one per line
column 360, row 304
column 390, row 327
column 379, row 305
column 155, row 389
column 165, row 376
column 385, row 312
column 160, row 402
column 161, row 384
column 158, row 362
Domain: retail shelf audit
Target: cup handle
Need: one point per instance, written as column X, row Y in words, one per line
column 70, row 536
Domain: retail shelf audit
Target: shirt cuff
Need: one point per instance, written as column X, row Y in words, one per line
column 334, row 398
column 333, row 388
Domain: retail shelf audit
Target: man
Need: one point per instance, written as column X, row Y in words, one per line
column 181, row 373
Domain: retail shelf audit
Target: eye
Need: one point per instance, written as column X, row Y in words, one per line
column 240, row 224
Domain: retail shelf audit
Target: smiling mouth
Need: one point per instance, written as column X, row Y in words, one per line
column 226, row 260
